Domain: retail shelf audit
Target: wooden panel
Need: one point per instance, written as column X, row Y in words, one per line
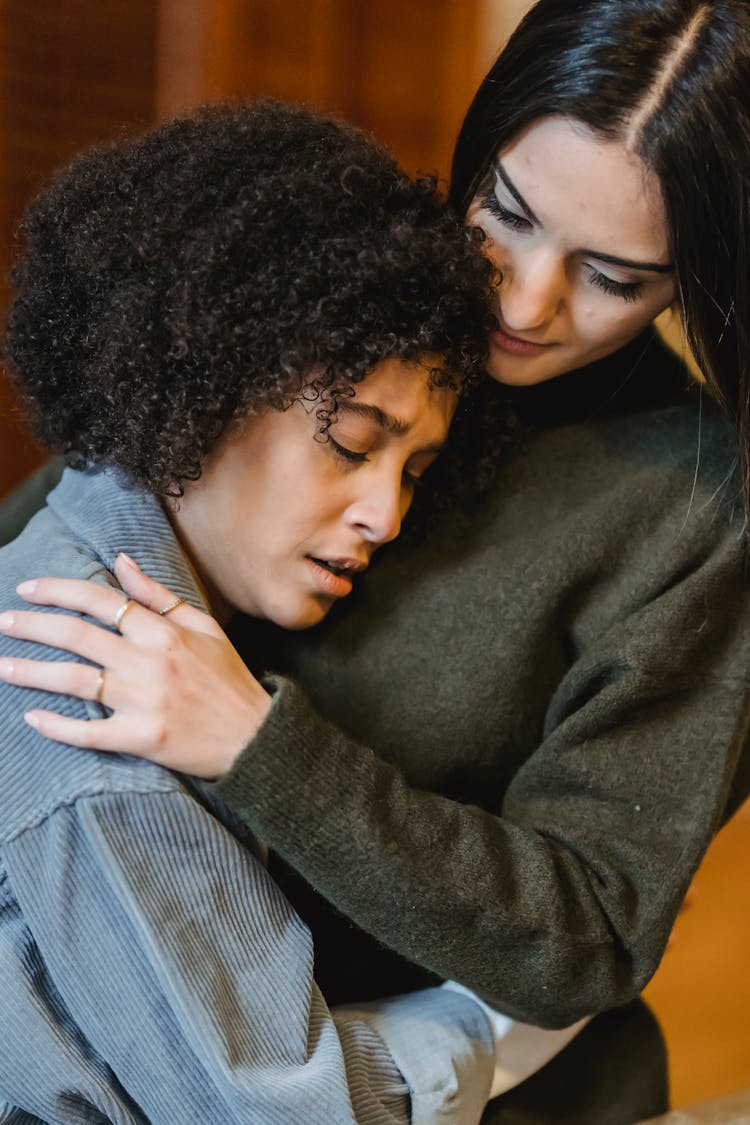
column 417, row 74
column 404, row 69
column 71, row 73
column 701, row 993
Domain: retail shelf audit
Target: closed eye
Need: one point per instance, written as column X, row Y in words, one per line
column 350, row 456
column 510, row 219
column 627, row 290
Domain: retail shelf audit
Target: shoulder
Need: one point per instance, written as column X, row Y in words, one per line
column 674, row 462
column 36, row 776
column 612, row 512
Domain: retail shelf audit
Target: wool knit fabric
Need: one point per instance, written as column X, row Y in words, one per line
column 503, row 759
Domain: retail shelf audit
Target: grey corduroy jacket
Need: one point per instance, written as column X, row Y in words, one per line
column 150, row 969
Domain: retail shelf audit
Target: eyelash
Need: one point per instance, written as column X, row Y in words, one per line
column 345, row 454
column 626, row 290
column 509, row 218
column 350, row 457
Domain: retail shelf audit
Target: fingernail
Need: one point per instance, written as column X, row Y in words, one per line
column 129, row 562
column 26, row 588
column 7, row 621
column 32, row 719
column 6, row 669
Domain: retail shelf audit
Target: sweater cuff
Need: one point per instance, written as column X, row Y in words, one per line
column 280, row 759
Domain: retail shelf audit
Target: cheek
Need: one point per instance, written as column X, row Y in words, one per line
column 315, row 503
column 601, row 322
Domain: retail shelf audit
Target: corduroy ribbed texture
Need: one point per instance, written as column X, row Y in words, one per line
column 150, row 968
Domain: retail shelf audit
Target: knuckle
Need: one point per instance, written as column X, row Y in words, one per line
column 80, row 677
column 161, row 736
column 171, row 666
column 71, row 630
column 158, row 733
column 85, row 737
column 164, row 639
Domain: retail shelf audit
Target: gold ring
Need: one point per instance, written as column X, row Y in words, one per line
column 172, row 605
column 99, row 687
column 121, row 613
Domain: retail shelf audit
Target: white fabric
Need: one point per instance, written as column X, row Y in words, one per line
column 520, row 1048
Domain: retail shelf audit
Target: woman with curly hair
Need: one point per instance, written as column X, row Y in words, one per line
column 503, row 761
column 254, row 330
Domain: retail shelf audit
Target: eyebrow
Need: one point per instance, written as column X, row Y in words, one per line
column 397, row 427
column 627, row 263
column 384, row 421
column 515, row 193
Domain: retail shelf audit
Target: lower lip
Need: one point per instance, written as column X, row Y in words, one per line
column 513, row 346
column 328, row 583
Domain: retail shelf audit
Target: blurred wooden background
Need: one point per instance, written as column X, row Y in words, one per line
column 76, row 71
column 73, row 72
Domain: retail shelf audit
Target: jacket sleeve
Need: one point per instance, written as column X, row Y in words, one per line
column 561, row 906
column 159, row 950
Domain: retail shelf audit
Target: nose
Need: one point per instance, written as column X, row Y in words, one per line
column 377, row 513
column 532, row 291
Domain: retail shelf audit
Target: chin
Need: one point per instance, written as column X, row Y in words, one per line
column 510, row 373
column 522, row 373
column 300, row 617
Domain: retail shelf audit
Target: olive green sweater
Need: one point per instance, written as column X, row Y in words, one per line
column 503, row 757
column 539, row 714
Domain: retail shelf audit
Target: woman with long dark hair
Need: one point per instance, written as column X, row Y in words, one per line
column 502, row 761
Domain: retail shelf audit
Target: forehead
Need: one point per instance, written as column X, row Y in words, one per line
column 589, row 192
column 405, row 391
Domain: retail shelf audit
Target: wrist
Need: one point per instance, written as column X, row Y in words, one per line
column 244, row 727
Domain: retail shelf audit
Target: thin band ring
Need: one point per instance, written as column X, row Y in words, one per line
column 99, row 687
column 121, row 613
column 172, row 605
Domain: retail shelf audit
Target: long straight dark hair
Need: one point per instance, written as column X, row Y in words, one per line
column 670, row 78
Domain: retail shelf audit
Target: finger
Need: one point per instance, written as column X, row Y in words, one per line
column 89, row 734
column 70, row 634
column 157, row 597
column 83, row 681
column 92, row 598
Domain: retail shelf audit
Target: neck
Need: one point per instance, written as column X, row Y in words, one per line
column 218, row 605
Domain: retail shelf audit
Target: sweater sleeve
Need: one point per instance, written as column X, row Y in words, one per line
column 561, row 905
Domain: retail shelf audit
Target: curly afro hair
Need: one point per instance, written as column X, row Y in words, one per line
column 174, row 283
